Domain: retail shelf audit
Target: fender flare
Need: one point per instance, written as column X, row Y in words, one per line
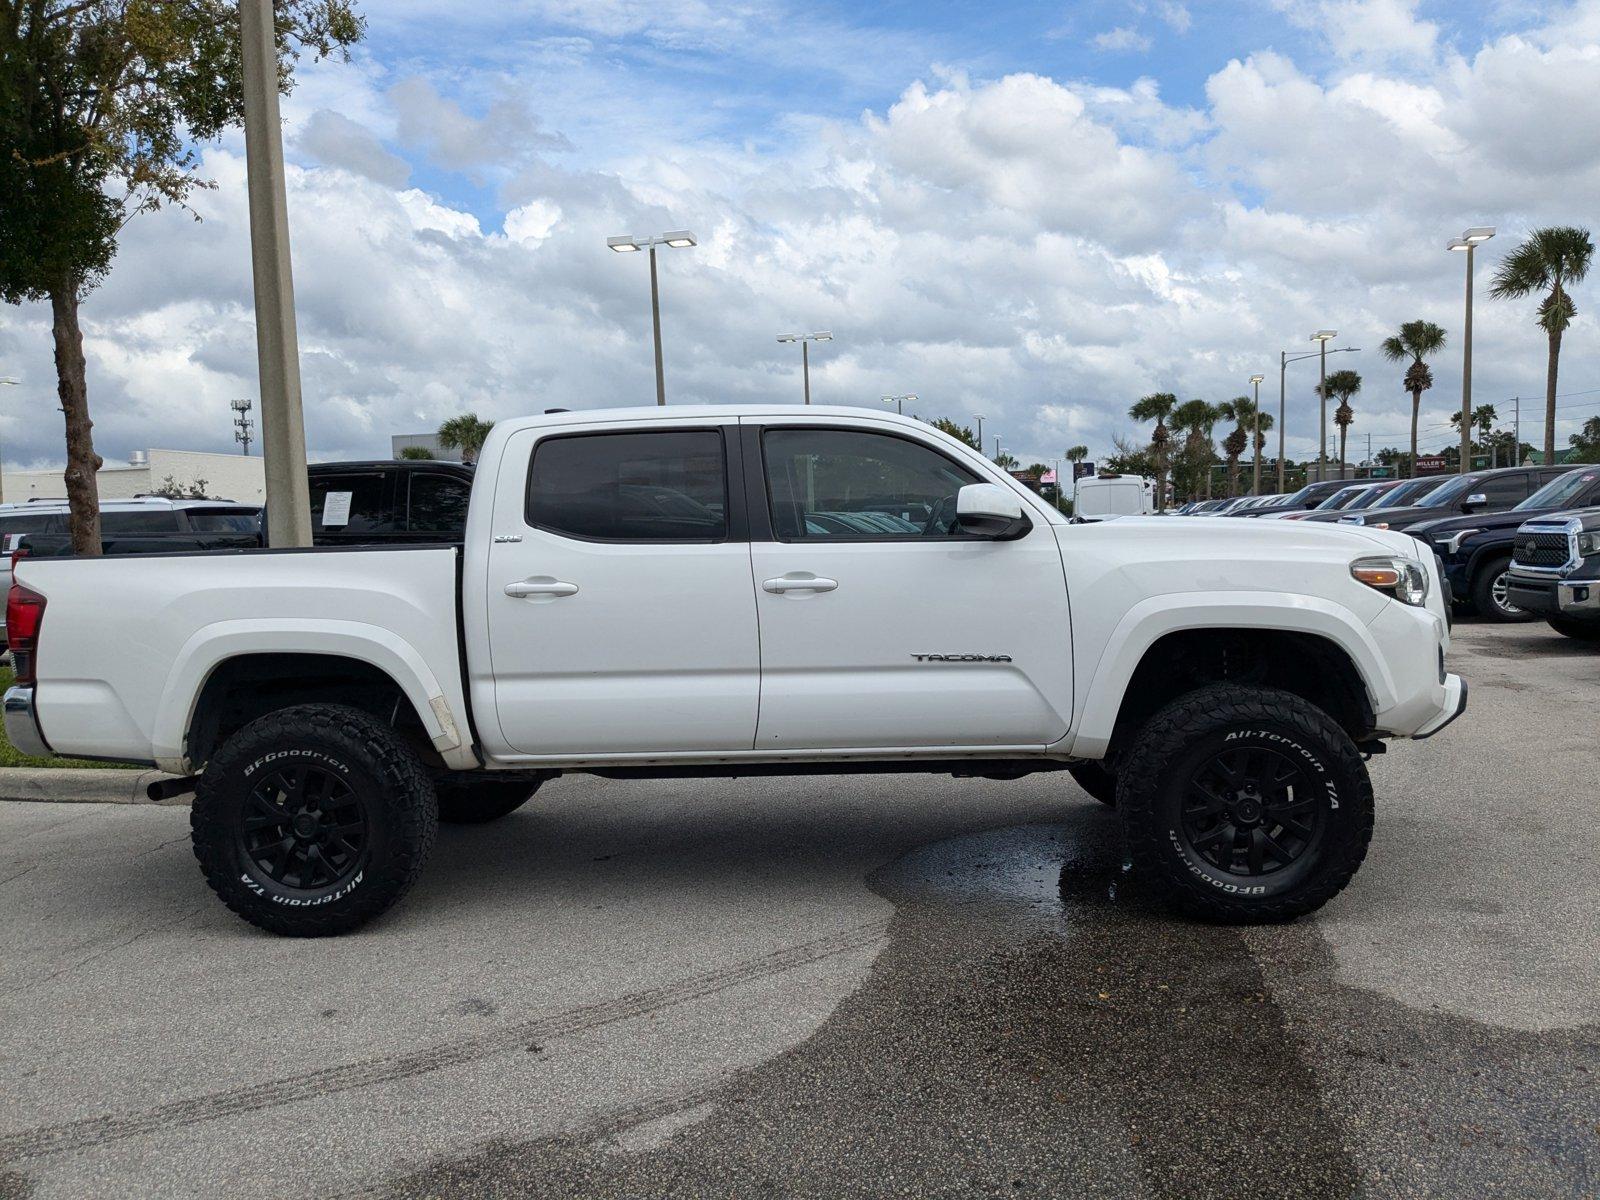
column 213, row 645
column 1151, row 619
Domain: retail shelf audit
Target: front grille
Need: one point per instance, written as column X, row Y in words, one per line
column 1543, row 549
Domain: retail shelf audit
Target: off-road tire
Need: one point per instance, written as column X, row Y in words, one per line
column 1483, row 601
column 373, row 765
column 1180, row 740
column 1099, row 780
column 478, row 802
column 1582, row 631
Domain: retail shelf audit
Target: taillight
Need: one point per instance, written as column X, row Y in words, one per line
column 24, row 615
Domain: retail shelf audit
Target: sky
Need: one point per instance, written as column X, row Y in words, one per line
column 1037, row 212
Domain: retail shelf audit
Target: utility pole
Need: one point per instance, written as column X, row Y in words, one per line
column 1468, row 241
column 243, row 426
column 283, row 431
column 1516, row 430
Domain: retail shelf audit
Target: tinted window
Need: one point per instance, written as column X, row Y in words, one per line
column 33, row 523
column 1564, row 490
column 438, row 504
column 155, row 521
column 844, row 485
column 366, row 504
column 224, row 522
column 1503, row 489
column 631, row 487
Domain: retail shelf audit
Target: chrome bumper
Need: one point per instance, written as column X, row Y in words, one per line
column 1579, row 596
column 22, row 724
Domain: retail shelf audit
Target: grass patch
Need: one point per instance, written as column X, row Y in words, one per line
column 10, row 756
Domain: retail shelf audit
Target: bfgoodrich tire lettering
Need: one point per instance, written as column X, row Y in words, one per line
column 1245, row 804
column 313, row 820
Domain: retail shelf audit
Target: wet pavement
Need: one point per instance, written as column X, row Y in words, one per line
column 840, row 986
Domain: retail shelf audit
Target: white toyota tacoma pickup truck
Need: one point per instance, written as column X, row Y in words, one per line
column 740, row 591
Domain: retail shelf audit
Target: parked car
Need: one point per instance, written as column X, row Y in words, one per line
column 140, row 525
column 1476, row 550
column 1475, row 492
column 1555, row 571
column 1333, row 503
column 660, row 592
column 389, row 501
column 1364, row 495
column 1309, row 496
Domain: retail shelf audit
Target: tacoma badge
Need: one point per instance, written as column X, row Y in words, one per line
column 962, row 657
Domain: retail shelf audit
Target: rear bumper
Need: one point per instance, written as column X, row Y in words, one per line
column 1555, row 597
column 22, row 723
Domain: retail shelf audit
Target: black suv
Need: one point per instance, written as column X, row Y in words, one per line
column 389, row 500
column 1309, row 496
column 1555, row 571
column 1475, row 551
column 1479, row 491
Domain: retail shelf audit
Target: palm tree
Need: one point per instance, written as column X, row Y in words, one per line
column 1554, row 258
column 465, row 433
column 1157, row 407
column 1197, row 419
column 1416, row 340
column 1483, row 419
column 1242, row 411
column 1075, row 455
column 1343, row 385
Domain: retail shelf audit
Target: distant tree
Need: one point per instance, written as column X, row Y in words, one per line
column 1129, row 458
column 960, row 432
column 1586, row 442
column 1039, row 469
column 1157, row 407
column 1416, row 341
column 1551, row 260
column 416, row 453
column 465, row 433
column 1076, row 454
column 1005, row 462
column 173, row 490
column 1342, row 386
column 102, row 103
column 1196, row 420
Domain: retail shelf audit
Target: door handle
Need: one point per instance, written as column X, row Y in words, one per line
column 541, row 585
column 799, row 583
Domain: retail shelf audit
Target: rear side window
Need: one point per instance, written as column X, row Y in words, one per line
column 156, row 521
column 32, row 523
column 224, row 522
column 438, row 504
column 1504, row 489
column 667, row 486
column 350, row 504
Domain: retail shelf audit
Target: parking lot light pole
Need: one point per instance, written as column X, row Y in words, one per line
column 805, row 352
column 1468, row 241
column 1284, row 359
column 899, row 402
column 1255, row 436
column 678, row 239
column 979, row 418
column 1322, row 337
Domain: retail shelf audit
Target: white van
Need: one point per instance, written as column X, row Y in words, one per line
column 1100, row 496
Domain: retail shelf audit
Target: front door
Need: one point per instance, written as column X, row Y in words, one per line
column 621, row 612
column 882, row 623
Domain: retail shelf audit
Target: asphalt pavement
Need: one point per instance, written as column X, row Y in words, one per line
column 833, row 986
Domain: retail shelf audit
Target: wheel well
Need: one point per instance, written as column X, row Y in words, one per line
column 241, row 689
column 1310, row 666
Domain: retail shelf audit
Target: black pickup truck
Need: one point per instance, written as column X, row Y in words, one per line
column 1555, row 571
column 1475, row 550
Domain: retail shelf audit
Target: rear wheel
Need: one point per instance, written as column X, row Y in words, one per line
column 1096, row 778
column 1490, row 595
column 313, row 820
column 1583, row 631
column 1245, row 804
column 477, row 802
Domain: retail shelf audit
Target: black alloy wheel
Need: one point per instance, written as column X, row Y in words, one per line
column 303, row 828
column 1251, row 811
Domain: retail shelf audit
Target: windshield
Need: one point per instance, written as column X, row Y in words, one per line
column 1372, row 496
column 1339, row 499
column 1561, row 490
column 1458, row 487
column 1411, row 491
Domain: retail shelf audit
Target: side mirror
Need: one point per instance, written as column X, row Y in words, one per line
column 1474, row 502
column 990, row 511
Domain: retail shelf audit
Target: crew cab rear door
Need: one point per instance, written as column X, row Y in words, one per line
column 621, row 614
column 882, row 624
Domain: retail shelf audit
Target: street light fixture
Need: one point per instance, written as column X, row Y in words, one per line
column 629, row 243
column 1255, row 436
column 1469, row 241
column 1284, row 360
column 805, row 352
column 979, row 418
column 899, row 402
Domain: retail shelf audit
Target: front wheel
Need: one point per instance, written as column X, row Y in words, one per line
column 1245, row 804
column 1491, row 596
column 1583, row 631
column 313, row 820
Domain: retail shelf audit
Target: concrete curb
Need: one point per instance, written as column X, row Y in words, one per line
column 77, row 785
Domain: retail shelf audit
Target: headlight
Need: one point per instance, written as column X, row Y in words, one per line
column 1451, row 542
column 1588, row 543
column 1401, row 578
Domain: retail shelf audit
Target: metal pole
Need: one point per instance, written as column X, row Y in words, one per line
column 655, row 325
column 1466, row 375
column 1255, row 443
column 997, row 447
column 805, row 366
column 980, row 434
column 1516, row 430
column 1322, row 392
column 1283, row 367
column 283, row 431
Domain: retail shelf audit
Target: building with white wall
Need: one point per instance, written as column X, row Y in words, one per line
column 221, row 476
